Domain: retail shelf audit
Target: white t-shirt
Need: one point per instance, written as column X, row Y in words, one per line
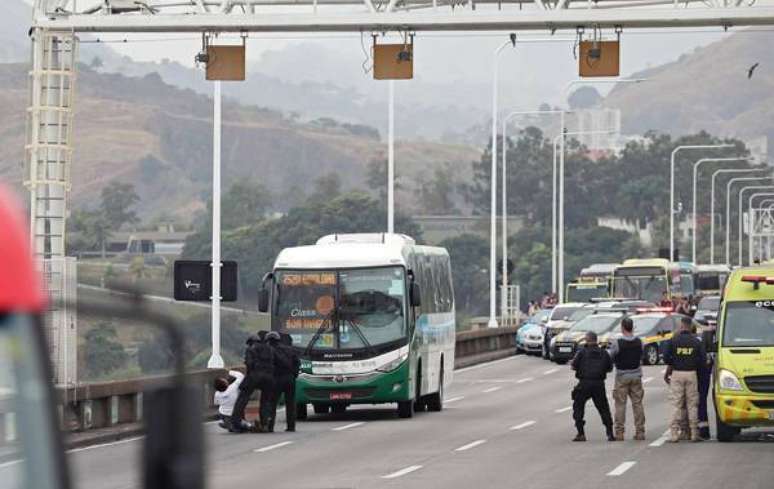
column 225, row 400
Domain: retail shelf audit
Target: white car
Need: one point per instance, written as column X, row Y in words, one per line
column 559, row 322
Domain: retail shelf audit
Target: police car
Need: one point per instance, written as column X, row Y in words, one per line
column 654, row 326
column 567, row 343
column 529, row 338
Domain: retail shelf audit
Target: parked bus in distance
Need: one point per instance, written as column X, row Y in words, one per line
column 582, row 291
column 372, row 317
column 710, row 279
column 599, row 272
column 653, row 280
column 744, row 371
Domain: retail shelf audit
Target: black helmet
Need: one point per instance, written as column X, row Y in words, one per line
column 273, row 336
column 251, row 339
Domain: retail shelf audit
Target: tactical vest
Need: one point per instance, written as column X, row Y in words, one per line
column 685, row 352
column 593, row 365
column 629, row 356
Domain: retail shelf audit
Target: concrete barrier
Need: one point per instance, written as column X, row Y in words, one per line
column 100, row 406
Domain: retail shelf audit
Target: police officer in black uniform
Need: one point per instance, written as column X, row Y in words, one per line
column 591, row 365
column 286, row 368
column 259, row 365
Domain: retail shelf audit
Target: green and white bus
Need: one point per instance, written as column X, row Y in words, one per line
column 372, row 316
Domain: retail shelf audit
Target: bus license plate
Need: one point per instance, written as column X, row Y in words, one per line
column 340, row 396
column 565, row 349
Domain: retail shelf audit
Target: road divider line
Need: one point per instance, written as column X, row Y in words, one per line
column 103, row 445
column 621, row 469
column 527, row 379
column 402, row 472
column 549, row 372
column 563, row 410
column 454, row 399
column 523, row 425
column 348, row 426
column 470, row 445
column 486, row 364
column 492, row 389
column 646, row 380
column 272, row 447
column 661, row 440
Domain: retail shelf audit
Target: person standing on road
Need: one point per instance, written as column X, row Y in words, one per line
column 626, row 353
column 684, row 355
column 704, row 377
column 286, row 368
column 591, row 365
column 259, row 362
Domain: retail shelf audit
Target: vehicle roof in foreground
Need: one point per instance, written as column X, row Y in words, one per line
column 354, row 250
column 750, row 284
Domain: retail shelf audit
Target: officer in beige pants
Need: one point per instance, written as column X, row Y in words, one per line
column 684, row 354
column 626, row 353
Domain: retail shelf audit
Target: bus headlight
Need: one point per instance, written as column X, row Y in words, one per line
column 393, row 364
column 729, row 381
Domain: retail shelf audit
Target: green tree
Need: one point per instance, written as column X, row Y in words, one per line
column 117, row 201
column 376, row 178
column 469, row 255
column 104, row 354
column 437, row 195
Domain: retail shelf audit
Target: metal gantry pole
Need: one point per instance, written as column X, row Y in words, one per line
column 493, row 200
column 216, row 360
column 728, row 210
column 712, row 203
column 391, row 159
column 695, row 185
column 672, row 188
column 741, row 199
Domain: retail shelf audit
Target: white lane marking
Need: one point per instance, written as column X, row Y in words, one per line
column 621, row 469
column 402, row 472
column 483, row 365
column 563, row 410
column 12, row 462
column 103, row 445
column 522, row 425
column 646, row 380
column 661, row 440
column 527, row 379
column 470, row 445
column 272, row 447
column 454, row 399
column 549, row 372
column 492, row 389
column 348, row 426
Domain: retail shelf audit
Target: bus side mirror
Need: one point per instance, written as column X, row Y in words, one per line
column 263, row 300
column 415, row 295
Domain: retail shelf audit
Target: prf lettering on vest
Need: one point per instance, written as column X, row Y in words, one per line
column 685, row 350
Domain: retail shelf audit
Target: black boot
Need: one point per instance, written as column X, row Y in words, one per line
column 581, row 436
column 269, row 425
column 610, row 434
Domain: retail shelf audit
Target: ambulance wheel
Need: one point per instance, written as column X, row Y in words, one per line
column 301, row 412
column 651, row 355
column 726, row 432
column 321, row 408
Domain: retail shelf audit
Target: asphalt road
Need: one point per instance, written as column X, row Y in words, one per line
column 506, row 424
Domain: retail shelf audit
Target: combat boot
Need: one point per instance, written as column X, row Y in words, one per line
column 639, row 436
column 619, row 435
column 580, row 437
column 610, row 435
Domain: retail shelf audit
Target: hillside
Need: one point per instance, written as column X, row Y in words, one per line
column 706, row 89
column 158, row 137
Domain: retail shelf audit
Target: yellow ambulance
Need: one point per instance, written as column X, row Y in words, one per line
column 744, row 368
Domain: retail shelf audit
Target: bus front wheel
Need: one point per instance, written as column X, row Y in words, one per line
column 406, row 409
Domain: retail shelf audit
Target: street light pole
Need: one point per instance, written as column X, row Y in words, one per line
column 391, row 159
column 750, row 225
column 712, row 203
column 695, row 183
column 741, row 199
column 505, row 203
column 672, row 189
column 728, row 210
column 560, row 226
column 493, row 201
column 216, row 360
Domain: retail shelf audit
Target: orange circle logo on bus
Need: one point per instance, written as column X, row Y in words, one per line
column 324, row 305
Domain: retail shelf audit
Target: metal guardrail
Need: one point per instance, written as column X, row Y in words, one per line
column 102, row 405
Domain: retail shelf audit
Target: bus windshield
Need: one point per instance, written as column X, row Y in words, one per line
column 645, row 286
column 586, row 292
column 708, row 281
column 341, row 309
column 749, row 324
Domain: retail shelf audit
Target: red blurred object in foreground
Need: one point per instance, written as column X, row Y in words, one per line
column 21, row 288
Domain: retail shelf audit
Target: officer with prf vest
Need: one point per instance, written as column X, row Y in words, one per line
column 684, row 355
column 591, row 365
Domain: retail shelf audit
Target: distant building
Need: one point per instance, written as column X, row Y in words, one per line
column 438, row 228
column 596, row 122
column 164, row 241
